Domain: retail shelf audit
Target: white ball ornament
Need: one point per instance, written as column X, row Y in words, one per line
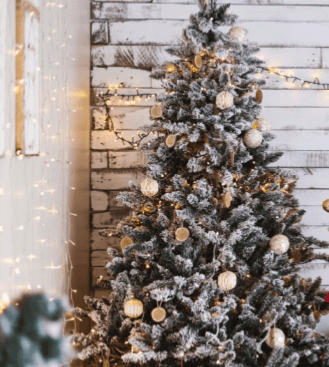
column 276, row 338
column 262, row 125
column 239, row 34
column 253, row 138
column 133, row 308
column 224, row 100
column 227, row 281
column 279, row 244
column 149, row 187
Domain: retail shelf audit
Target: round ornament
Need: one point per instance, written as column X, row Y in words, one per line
column 182, row 234
column 158, row 314
column 279, row 244
column 276, row 338
column 198, row 61
column 253, row 138
column 156, row 111
column 126, row 241
column 224, row 100
column 227, row 281
column 170, row 140
column 133, row 308
column 262, row 125
column 227, row 200
column 259, row 96
column 149, row 187
column 325, row 205
column 239, row 34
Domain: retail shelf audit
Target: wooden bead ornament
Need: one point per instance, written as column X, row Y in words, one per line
column 279, row 244
column 227, row 200
column 170, row 140
column 262, row 125
column 224, row 100
column 297, row 256
column 239, row 34
column 149, row 187
column 198, row 61
column 133, row 308
column 259, row 96
column 253, row 138
column 182, row 234
column 158, row 314
column 126, row 241
column 325, row 205
column 276, row 338
column 156, row 111
column 227, row 281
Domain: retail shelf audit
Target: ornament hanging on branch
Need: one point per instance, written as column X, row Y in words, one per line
column 133, row 308
column 325, row 205
column 224, row 100
column 158, row 314
column 156, row 111
column 239, row 34
column 149, row 187
column 227, row 200
column 279, row 244
column 227, row 281
column 262, row 125
column 126, row 241
column 198, row 61
column 182, row 234
column 170, row 140
column 253, row 138
column 259, row 96
column 276, row 338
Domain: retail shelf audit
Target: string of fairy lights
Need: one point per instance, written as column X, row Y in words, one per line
column 112, row 95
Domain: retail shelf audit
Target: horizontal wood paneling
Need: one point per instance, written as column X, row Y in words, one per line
column 312, row 197
column 146, row 57
column 102, row 139
column 114, row 180
column 252, row 2
column 114, row 12
column 302, row 34
column 272, row 98
column 314, row 159
column 297, row 118
column 132, row 77
column 134, row 117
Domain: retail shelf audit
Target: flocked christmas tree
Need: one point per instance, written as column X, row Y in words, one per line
column 208, row 272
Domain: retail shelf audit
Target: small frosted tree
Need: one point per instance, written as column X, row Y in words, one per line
column 208, row 272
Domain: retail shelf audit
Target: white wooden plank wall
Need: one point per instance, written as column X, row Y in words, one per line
column 130, row 37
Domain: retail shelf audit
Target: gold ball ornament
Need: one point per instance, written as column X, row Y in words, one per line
column 276, row 338
column 198, row 61
column 325, row 205
column 262, row 125
column 156, row 111
column 227, row 281
column 149, row 187
column 224, row 100
column 133, row 308
column 126, row 241
column 182, row 234
column 279, row 244
column 158, row 314
column 253, row 138
column 170, row 140
column 239, row 34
